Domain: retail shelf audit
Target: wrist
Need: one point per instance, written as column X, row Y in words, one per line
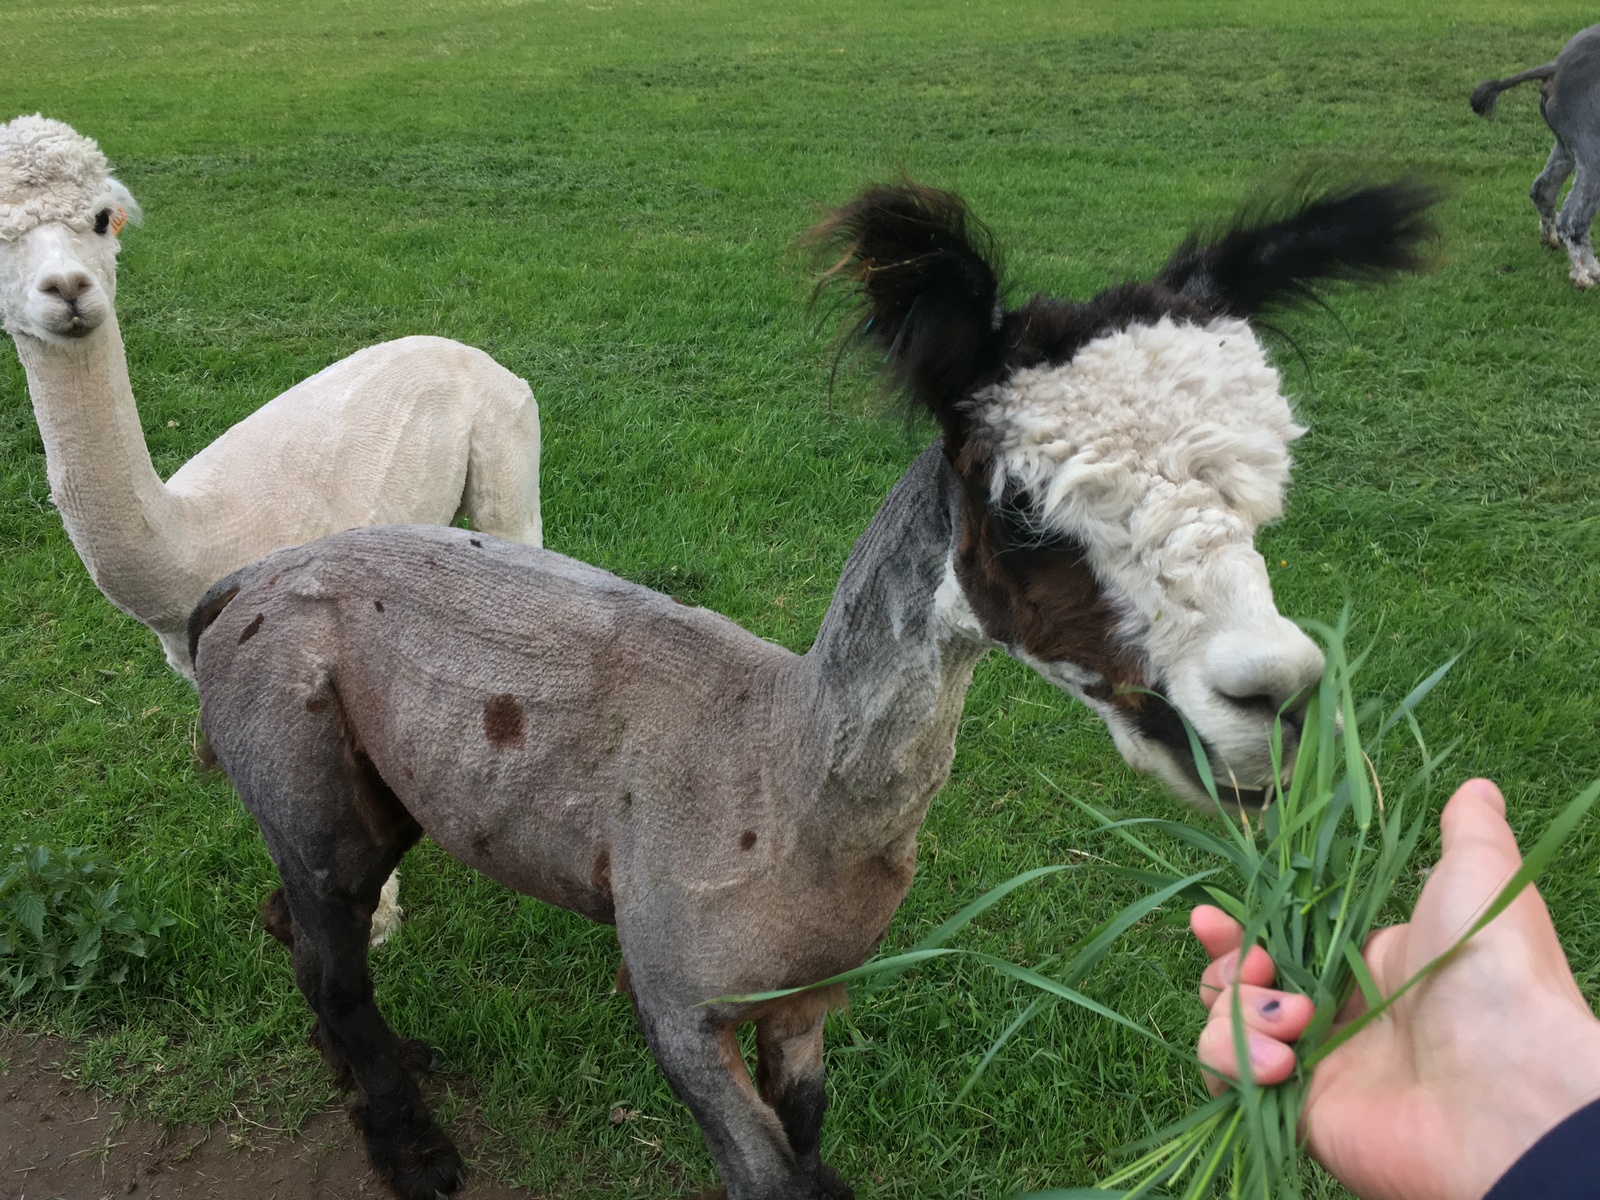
column 1549, row 1071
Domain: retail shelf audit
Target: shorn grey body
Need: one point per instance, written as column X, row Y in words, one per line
column 747, row 817
column 1569, row 100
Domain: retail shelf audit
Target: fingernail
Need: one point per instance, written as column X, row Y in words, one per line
column 1270, row 1009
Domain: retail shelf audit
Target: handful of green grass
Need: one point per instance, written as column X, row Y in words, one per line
column 1308, row 878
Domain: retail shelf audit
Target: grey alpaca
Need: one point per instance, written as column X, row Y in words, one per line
column 1569, row 100
column 747, row 817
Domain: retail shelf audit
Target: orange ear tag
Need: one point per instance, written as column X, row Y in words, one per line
column 118, row 220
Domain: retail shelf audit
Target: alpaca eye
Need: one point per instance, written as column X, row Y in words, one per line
column 102, row 220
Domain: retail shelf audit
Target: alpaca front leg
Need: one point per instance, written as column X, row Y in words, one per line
column 386, row 917
column 789, row 1076
column 1546, row 190
column 699, row 1054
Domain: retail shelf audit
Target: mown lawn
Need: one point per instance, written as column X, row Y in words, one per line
column 604, row 195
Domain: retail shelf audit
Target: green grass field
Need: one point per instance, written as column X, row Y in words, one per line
column 604, row 195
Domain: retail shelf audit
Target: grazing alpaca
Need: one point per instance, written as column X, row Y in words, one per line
column 416, row 430
column 745, row 816
column 1569, row 100
column 419, row 430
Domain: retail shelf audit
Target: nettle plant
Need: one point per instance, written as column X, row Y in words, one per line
column 69, row 922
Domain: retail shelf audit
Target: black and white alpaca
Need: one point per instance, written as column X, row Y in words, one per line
column 1569, row 101
column 745, row 816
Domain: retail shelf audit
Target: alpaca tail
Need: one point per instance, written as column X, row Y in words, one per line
column 1487, row 94
column 924, row 282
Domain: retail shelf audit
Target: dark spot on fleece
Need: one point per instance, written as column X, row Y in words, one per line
column 316, row 704
column 480, row 846
column 747, row 839
column 409, row 773
column 378, row 604
column 252, row 629
column 475, row 542
column 503, row 722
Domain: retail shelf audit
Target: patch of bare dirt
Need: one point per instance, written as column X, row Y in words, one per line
column 60, row 1143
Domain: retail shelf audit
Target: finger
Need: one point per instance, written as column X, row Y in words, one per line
column 1215, row 930
column 1282, row 1016
column 1258, row 971
column 1268, row 1060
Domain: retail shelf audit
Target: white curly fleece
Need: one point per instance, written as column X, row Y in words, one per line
column 1156, row 447
column 50, row 172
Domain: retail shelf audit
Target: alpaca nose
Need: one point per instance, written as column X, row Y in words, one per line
column 66, row 283
column 1269, row 671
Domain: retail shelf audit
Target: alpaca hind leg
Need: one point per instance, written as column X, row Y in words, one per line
column 1546, row 190
column 789, row 1076
column 404, row 1144
column 699, row 1054
column 502, row 489
column 1577, row 215
column 336, row 832
column 416, row 1056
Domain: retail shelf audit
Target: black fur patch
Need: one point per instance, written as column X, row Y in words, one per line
column 927, row 288
column 926, row 280
column 208, row 610
column 1275, row 252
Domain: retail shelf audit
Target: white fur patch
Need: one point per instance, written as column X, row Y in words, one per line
column 1161, row 449
column 953, row 612
column 1155, row 447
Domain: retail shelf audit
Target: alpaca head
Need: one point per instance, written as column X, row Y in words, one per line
column 1117, row 457
column 60, row 213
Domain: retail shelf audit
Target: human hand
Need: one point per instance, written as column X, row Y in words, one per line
column 1436, row 1099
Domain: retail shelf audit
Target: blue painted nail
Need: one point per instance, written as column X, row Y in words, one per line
column 1270, row 1008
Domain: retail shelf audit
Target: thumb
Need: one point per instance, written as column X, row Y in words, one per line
column 1479, row 855
column 1473, row 827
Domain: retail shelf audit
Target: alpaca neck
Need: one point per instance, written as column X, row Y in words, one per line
column 890, row 669
column 124, row 523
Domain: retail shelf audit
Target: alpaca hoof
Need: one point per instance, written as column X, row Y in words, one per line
column 1583, row 281
column 417, row 1163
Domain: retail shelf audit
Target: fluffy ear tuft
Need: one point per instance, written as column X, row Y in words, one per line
column 1273, row 254
column 925, row 284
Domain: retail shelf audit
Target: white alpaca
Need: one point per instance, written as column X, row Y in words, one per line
column 417, row 431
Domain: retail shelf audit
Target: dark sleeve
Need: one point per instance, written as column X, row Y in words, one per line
column 1562, row 1165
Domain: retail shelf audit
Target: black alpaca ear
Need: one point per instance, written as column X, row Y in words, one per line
column 926, row 289
column 1274, row 254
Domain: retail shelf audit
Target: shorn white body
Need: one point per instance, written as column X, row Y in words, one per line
column 422, row 430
